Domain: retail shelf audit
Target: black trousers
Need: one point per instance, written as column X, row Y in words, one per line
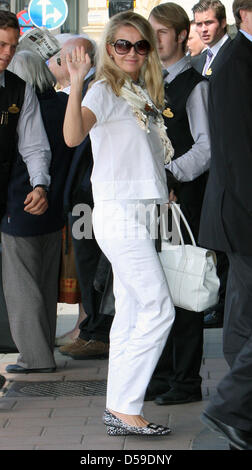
column 180, row 361
column 222, row 272
column 87, row 254
column 232, row 403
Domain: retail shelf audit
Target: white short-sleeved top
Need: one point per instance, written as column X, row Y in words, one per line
column 128, row 161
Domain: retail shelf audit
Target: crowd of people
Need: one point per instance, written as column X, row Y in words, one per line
column 160, row 112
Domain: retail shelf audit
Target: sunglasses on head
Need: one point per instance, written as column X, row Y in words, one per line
column 122, row 46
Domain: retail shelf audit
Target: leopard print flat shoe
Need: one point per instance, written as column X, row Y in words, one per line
column 116, row 427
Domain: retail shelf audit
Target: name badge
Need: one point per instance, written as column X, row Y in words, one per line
column 13, row 109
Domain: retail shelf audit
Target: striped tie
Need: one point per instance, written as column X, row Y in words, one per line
column 208, row 60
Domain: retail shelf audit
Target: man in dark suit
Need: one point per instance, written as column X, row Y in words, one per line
column 211, row 25
column 226, row 225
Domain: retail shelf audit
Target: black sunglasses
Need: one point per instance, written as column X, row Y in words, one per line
column 122, row 46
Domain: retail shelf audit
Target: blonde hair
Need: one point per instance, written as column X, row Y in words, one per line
column 151, row 71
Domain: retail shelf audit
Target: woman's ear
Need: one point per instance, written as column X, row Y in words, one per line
column 110, row 50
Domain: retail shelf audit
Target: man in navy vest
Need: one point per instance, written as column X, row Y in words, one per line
column 21, row 126
column 176, row 378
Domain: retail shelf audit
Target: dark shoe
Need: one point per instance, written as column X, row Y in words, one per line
column 2, row 381
column 213, row 319
column 151, row 394
column 70, row 348
column 175, row 397
column 16, row 369
column 238, row 439
column 117, row 427
column 93, row 349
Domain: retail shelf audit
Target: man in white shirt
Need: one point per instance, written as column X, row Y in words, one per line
column 211, row 25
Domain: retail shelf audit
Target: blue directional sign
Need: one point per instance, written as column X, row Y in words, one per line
column 50, row 14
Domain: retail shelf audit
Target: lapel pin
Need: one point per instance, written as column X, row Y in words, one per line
column 168, row 113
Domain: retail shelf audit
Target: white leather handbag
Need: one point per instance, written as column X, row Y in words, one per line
column 190, row 270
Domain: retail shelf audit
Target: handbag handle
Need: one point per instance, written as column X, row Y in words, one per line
column 174, row 208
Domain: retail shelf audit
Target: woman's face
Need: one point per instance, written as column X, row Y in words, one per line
column 131, row 62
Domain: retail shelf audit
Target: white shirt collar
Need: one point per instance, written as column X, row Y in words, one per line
column 68, row 88
column 215, row 49
column 178, row 67
column 246, row 34
column 91, row 72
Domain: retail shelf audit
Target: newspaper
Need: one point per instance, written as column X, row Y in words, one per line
column 40, row 41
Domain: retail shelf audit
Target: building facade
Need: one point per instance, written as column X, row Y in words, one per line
column 90, row 16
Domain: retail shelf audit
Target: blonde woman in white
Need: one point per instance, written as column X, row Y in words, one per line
column 122, row 112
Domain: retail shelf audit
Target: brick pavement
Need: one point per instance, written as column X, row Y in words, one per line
column 74, row 423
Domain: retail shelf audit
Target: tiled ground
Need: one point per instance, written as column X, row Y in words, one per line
column 75, row 422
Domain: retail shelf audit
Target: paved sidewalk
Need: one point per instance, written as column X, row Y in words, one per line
column 73, row 422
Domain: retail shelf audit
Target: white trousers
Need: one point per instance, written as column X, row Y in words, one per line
column 144, row 309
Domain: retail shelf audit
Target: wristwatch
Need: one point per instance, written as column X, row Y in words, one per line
column 43, row 186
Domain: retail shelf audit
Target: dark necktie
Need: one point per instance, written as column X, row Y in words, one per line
column 165, row 73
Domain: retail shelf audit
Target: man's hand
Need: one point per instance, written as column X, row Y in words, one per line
column 36, row 201
column 172, row 196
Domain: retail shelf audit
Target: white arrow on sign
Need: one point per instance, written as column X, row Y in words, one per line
column 56, row 15
column 44, row 4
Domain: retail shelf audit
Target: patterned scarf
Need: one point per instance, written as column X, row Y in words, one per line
column 146, row 112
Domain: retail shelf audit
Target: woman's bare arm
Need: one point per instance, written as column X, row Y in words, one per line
column 78, row 120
